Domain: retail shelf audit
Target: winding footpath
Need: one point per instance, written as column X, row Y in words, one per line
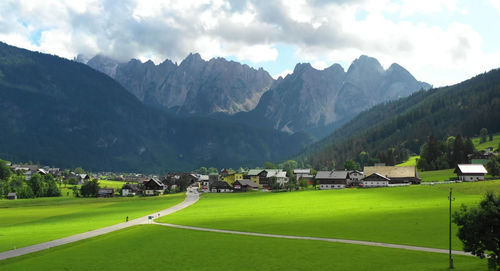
column 334, row 240
column 192, row 196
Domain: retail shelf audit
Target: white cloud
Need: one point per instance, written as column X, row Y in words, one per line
column 324, row 32
column 496, row 4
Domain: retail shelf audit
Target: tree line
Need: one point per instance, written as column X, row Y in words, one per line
column 36, row 186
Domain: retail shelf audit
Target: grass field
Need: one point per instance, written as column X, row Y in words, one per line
column 481, row 146
column 412, row 161
column 415, row 215
column 152, row 247
column 31, row 221
column 437, row 175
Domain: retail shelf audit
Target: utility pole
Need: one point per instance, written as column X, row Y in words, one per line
column 451, row 198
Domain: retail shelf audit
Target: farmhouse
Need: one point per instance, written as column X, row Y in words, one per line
column 220, row 187
column 396, row 175
column 332, row 179
column 355, row 177
column 470, row 172
column 303, row 174
column 153, row 187
column 130, row 189
column 12, row 196
column 105, row 192
column 244, row 185
column 375, row 180
column 254, row 175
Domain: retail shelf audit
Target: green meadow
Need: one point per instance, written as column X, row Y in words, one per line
column 31, row 221
column 153, row 247
column 437, row 175
column 481, row 146
column 414, row 215
column 412, row 161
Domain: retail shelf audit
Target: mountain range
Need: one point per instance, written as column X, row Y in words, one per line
column 402, row 126
column 308, row 100
column 64, row 113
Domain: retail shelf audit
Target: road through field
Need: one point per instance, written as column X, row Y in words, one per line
column 192, row 197
column 334, row 240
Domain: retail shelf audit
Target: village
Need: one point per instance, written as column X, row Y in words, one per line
column 227, row 181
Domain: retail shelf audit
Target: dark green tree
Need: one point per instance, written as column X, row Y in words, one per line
column 479, row 229
column 483, row 134
column 493, row 166
column 4, row 170
column 351, row 165
column 36, row 184
column 90, row 188
column 469, row 146
column 269, row 165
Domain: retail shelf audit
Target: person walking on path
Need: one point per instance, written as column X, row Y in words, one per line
column 126, row 220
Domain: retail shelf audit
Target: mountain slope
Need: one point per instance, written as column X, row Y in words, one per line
column 63, row 113
column 194, row 87
column 464, row 109
column 318, row 101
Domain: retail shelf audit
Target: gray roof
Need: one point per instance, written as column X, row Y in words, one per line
column 332, row 174
column 11, row 194
column 376, row 174
column 157, row 181
column 248, row 183
column 254, row 172
column 302, row 171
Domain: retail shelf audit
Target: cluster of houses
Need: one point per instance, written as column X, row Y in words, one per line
column 262, row 179
column 259, row 179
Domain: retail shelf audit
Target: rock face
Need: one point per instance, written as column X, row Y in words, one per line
column 309, row 100
column 320, row 100
column 194, row 87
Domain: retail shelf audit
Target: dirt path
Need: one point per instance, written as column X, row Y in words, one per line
column 356, row 242
column 191, row 198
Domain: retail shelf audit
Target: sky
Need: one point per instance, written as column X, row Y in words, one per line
column 441, row 42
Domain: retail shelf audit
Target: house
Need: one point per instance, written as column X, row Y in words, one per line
column 105, row 192
column 153, row 187
column 266, row 174
column 220, row 187
column 332, row 179
column 254, row 175
column 12, row 196
column 130, row 189
column 355, row 177
column 470, row 172
column 244, row 185
column 303, row 174
column 396, row 175
column 42, row 171
column 179, row 180
column 232, row 177
column 375, row 180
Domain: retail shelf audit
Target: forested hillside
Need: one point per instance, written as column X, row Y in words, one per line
column 60, row 112
column 388, row 132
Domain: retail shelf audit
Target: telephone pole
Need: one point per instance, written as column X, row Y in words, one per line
column 451, row 198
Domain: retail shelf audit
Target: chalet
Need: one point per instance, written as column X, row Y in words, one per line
column 244, row 185
column 303, row 174
column 105, row 192
column 470, row 172
column 153, row 187
column 266, row 174
column 220, row 187
column 355, row 177
column 396, row 175
column 332, row 179
column 12, row 196
column 254, row 175
column 374, row 180
column 130, row 189
column 232, row 177
column 180, row 180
